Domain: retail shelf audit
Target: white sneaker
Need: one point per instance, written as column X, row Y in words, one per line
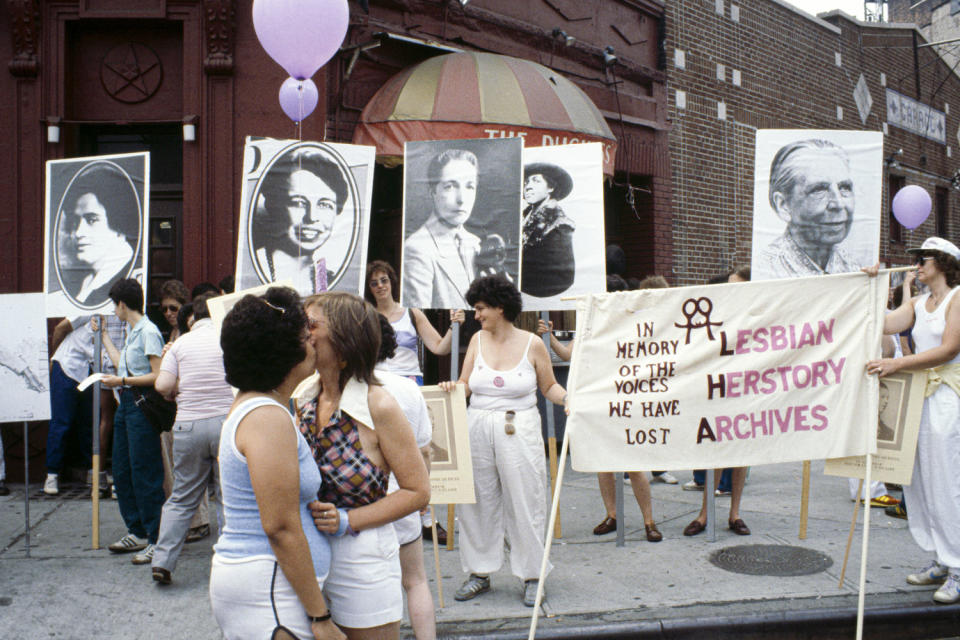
column 692, row 486
column 666, row 478
column 128, row 543
column 934, row 573
column 145, row 556
column 51, row 485
column 949, row 593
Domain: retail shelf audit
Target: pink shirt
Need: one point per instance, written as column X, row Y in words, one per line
column 197, row 362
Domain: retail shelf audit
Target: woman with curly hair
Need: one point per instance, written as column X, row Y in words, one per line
column 502, row 371
column 358, row 435
column 934, row 513
column 270, row 561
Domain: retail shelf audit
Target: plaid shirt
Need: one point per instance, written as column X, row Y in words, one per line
column 350, row 479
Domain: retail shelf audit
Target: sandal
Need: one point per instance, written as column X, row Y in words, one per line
column 609, row 524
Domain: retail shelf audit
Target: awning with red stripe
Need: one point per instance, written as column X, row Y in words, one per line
column 481, row 95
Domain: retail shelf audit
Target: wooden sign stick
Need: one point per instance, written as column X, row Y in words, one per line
column 853, row 526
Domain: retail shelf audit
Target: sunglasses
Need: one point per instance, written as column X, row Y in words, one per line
column 170, row 307
column 508, row 426
column 922, row 259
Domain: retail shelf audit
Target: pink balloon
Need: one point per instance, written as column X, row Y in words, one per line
column 911, row 206
column 301, row 35
column 298, row 98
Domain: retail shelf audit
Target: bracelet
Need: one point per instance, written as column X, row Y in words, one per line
column 123, row 381
column 322, row 618
column 344, row 523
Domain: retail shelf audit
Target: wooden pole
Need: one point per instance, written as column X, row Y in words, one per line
column 436, row 556
column 551, row 429
column 853, row 526
column 804, row 500
column 95, row 499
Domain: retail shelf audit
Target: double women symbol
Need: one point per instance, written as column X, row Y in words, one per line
column 692, row 307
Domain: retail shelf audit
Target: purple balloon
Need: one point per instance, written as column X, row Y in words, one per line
column 301, row 35
column 298, row 98
column 911, row 206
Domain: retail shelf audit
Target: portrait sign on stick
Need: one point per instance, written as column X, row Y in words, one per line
column 461, row 218
column 220, row 306
column 898, row 423
column 24, row 378
column 725, row 376
column 451, row 466
column 304, row 215
column 96, row 230
column 562, row 249
column 816, row 203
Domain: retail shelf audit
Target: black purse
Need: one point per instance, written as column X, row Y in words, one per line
column 159, row 412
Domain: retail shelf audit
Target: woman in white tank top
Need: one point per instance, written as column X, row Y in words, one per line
column 502, row 371
column 933, row 509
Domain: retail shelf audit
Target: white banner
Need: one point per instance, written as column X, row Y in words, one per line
column 24, row 377
column 726, row 375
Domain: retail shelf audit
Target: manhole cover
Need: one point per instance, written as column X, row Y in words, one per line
column 770, row 560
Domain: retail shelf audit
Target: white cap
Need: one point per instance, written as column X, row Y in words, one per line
column 934, row 243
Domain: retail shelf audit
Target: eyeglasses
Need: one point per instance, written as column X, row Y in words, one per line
column 376, row 281
column 169, row 307
column 508, row 427
column 922, row 259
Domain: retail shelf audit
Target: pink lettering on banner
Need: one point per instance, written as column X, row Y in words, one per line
column 819, row 414
column 743, row 426
column 743, row 337
column 733, row 379
column 778, row 338
column 742, row 417
column 837, row 368
column 800, row 418
column 723, row 428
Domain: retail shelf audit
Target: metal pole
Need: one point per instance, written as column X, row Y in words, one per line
column 26, row 484
column 95, row 498
column 454, row 376
column 621, row 525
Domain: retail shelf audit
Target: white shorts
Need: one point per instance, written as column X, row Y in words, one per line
column 408, row 528
column 243, row 594
column 363, row 588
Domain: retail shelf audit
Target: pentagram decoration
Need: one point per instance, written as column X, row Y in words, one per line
column 131, row 72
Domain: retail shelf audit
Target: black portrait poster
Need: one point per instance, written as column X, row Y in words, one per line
column 95, row 231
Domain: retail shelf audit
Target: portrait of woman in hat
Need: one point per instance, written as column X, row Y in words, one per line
column 547, row 260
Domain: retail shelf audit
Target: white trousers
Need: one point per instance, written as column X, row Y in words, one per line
column 509, row 478
column 933, row 495
column 876, row 489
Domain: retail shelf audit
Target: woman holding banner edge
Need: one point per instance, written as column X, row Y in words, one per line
column 934, row 514
column 503, row 368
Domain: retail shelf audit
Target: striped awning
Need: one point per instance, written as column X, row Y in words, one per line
column 481, row 95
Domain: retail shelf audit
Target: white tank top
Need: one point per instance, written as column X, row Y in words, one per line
column 503, row 390
column 928, row 326
column 405, row 361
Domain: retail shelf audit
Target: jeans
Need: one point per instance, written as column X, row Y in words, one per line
column 726, row 479
column 137, row 469
column 195, row 447
column 68, row 408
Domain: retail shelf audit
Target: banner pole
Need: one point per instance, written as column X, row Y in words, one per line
column 95, row 498
column 710, row 495
column 551, row 426
column 861, row 596
column 554, row 507
column 26, row 484
column 804, row 500
column 454, row 376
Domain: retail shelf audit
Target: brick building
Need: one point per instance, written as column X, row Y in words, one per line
column 742, row 65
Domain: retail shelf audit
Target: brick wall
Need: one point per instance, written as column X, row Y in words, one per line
column 786, row 63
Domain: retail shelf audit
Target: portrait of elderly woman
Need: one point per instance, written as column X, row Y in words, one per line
column 303, row 196
column 548, row 264
column 98, row 231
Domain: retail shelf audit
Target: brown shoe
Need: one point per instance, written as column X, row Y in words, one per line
column 739, row 527
column 441, row 534
column 609, row 524
column 653, row 534
column 694, row 528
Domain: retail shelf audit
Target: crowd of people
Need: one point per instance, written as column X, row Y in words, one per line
column 321, row 451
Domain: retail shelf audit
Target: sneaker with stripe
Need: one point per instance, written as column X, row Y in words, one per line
column 934, row 573
column 146, row 556
column 949, row 593
column 128, row 544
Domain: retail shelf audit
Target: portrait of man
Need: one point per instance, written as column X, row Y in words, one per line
column 887, row 415
column 460, row 239
column 304, row 214
column 547, row 252
column 97, row 229
column 813, row 190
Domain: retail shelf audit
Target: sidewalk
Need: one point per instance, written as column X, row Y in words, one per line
column 66, row 590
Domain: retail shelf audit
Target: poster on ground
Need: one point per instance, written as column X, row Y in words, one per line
column 95, row 230
column 900, row 405
column 451, row 466
column 461, row 218
column 24, row 377
column 562, row 249
column 304, row 215
column 817, row 200
column 726, row 375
